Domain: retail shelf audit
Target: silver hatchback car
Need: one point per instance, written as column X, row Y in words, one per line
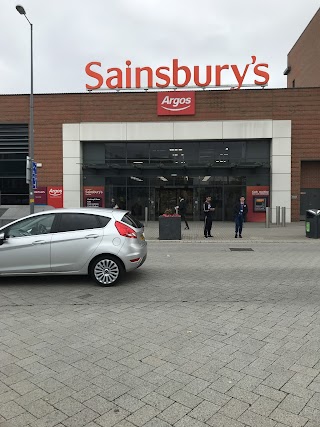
column 103, row 243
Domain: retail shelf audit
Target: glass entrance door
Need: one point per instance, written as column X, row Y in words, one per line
column 168, row 198
column 137, row 195
column 216, row 194
column 232, row 194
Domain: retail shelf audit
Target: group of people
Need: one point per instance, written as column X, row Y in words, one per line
column 240, row 211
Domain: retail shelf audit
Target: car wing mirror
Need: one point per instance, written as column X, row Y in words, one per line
column 2, row 238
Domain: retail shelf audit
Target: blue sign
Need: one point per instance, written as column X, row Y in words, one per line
column 34, row 175
column 34, row 182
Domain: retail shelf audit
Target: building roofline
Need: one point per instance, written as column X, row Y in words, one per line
column 259, row 89
column 317, row 12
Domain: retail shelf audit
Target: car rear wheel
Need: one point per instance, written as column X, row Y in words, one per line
column 106, row 270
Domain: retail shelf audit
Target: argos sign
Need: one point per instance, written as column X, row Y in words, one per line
column 55, row 197
column 176, row 75
column 176, row 103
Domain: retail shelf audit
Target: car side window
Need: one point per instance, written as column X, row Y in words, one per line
column 77, row 221
column 104, row 220
column 33, row 226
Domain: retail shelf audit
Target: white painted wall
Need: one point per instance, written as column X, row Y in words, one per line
column 279, row 131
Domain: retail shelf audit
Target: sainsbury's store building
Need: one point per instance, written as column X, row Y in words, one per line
column 91, row 147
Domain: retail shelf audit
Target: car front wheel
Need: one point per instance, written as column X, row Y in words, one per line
column 106, row 270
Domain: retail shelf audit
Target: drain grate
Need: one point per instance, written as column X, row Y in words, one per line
column 241, row 249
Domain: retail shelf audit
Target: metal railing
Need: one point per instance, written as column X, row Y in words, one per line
column 280, row 216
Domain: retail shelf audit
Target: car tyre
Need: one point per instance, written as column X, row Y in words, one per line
column 106, row 270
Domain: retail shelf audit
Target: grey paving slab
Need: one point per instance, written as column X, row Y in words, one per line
column 264, row 406
column 143, row 415
column 220, row 420
column 50, row 420
column 99, row 404
column 22, row 420
column 253, row 232
column 157, row 401
column 288, row 418
column 174, row 413
column 198, row 336
column 10, row 410
column 234, row 408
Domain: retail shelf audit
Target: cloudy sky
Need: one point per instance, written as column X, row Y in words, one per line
column 68, row 34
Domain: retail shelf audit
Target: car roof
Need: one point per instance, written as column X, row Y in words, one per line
column 95, row 211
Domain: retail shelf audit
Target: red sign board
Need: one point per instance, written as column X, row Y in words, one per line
column 40, row 196
column 55, row 197
column 176, row 103
column 257, row 198
column 93, row 197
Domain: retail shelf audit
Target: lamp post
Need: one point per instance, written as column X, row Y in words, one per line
column 21, row 10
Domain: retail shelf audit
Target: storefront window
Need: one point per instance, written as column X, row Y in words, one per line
column 164, row 152
column 115, row 152
column 150, row 176
column 137, row 152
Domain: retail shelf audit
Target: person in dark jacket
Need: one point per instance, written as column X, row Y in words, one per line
column 208, row 210
column 182, row 209
column 240, row 211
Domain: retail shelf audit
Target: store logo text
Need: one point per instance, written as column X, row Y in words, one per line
column 177, row 75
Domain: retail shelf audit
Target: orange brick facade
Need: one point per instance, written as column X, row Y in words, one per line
column 301, row 106
column 304, row 57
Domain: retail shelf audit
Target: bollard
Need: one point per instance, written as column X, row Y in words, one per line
column 146, row 216
column 278, row 215
column 283, row 213
column 267, row 217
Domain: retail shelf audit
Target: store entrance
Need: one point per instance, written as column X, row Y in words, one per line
column 158, row 199
column 168, row 198
column 223, row 197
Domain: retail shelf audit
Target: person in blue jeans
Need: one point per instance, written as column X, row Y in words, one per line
column 240, row 211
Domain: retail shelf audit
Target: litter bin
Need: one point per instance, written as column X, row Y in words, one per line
column 313, row 223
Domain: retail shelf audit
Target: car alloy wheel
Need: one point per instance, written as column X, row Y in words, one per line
column 106, row 271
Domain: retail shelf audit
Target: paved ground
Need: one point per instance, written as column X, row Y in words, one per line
column 199, row 336
column 224, row 231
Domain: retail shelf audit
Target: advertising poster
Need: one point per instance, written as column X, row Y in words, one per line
column 55, row 196
column 94, row 197
column 40, row 196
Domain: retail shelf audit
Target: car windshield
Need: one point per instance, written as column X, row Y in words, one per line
column 130, row 220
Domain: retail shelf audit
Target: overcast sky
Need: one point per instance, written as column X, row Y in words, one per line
column 70, row 33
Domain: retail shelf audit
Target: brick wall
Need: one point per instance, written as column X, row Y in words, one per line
column 310, row 174
column 304, row 57
column 51, row 111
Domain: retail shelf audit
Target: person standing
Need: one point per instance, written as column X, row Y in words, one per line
column 208, row 210
column 182, row 209
column 240, row 211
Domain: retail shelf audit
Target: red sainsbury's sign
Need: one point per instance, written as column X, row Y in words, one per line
column 176, row 103
column 176, row 75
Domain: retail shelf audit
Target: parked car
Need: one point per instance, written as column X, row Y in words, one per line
column 103, row 243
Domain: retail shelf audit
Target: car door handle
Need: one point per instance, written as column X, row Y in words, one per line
column 38, row 242
column 92, row 236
